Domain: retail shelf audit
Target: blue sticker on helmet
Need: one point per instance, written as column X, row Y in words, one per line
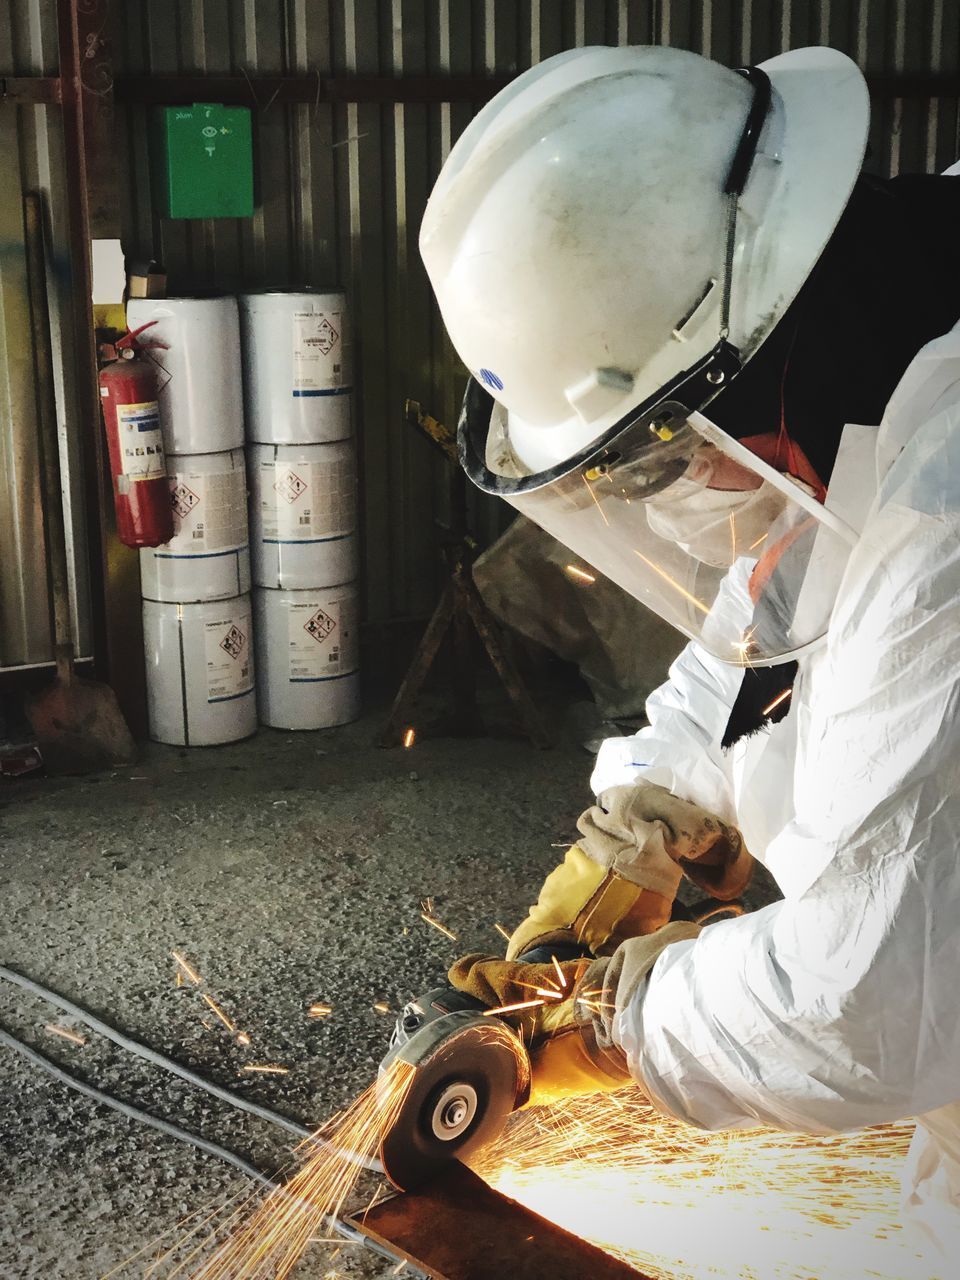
column 488, row 377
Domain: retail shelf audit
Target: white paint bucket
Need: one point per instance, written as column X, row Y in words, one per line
column 200, row 671
column 199, row 376
column 307, row 657
column 303, row 514
column 208, row 557
column 297, row 372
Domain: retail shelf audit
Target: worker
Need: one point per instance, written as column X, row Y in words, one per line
column 723, row 367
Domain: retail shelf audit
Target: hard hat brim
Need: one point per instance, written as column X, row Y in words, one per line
column 826, row 113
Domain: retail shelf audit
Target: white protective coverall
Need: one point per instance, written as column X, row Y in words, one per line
column 838, row 1007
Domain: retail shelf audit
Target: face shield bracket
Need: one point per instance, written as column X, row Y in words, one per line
column 664, row 414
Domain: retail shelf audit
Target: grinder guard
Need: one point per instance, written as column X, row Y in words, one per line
column 471, row 1072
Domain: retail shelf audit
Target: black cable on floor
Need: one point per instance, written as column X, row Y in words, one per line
column 169, row 1064
column 134, row 1113
column 344, row 1229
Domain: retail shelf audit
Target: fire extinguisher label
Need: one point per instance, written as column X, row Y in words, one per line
column 229, row 660
column 308, row 501
column 317, row 351
column 323, row 640
column 141, row 442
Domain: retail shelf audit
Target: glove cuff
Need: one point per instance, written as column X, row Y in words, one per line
column 611, row 983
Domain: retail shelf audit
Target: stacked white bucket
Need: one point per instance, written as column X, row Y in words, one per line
column 303, row 516
column 197, row 622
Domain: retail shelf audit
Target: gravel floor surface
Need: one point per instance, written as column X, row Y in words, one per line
column 288, row 869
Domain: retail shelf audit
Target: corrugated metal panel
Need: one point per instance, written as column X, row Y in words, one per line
column 31, row 143
column 342, row 188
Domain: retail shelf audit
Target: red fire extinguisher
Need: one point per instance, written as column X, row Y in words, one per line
column 131, row 415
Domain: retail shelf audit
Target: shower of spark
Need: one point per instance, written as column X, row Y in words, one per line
column 269, row 1241
column 681, row 1204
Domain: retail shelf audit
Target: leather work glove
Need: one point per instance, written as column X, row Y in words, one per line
column 568, row 1035
column 620, row 879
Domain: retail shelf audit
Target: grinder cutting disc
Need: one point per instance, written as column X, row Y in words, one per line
column 470, row 1073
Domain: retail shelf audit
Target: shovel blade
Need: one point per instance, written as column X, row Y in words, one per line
column 79, row 727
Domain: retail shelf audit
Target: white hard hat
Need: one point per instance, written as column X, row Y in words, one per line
column 577, row 237
column 610, row 241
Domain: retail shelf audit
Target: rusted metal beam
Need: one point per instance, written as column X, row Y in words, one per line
column 261, row 92
column 94, row 211
column 264, row 91
column 22, row 91
column 458, row 1228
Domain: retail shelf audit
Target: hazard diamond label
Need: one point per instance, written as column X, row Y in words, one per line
column 184, row 500
column 290, row 486
column 325, row 337
column 233, row 642
column 319, row 626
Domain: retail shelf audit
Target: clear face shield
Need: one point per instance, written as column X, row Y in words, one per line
column 725, row 548
column 691, row 523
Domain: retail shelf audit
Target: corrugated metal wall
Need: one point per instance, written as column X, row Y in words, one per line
column 31, row 145
column 342, row 188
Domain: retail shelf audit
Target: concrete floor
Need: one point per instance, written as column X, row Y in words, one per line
column 287, row 869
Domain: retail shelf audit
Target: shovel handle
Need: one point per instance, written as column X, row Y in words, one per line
column 48, row 438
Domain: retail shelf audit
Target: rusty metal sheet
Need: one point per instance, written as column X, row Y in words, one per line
column 458, row 1228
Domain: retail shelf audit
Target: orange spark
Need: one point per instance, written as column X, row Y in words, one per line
column 757, row 543
column 560, row 974
column 733, row 537
column 781, row 697
column 511, row 1008
column 178, row 978
column 320, row 1010
column 425, row 915
column 218, row 1011
column 243, row 1038
column 660, row 1195
column 409, row 738
column 266, row 1069
column 66, row 1033
column 502, row 931
column 187, row 968
column 381, row 1006
column 673, row 583
column 603, row 515
column 580, row 574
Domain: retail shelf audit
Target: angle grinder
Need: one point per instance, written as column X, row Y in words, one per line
column 470, row 1072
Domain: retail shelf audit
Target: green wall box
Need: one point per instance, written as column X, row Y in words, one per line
column 203, row 161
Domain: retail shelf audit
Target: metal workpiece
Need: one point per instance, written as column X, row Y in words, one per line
column 458, row 1228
